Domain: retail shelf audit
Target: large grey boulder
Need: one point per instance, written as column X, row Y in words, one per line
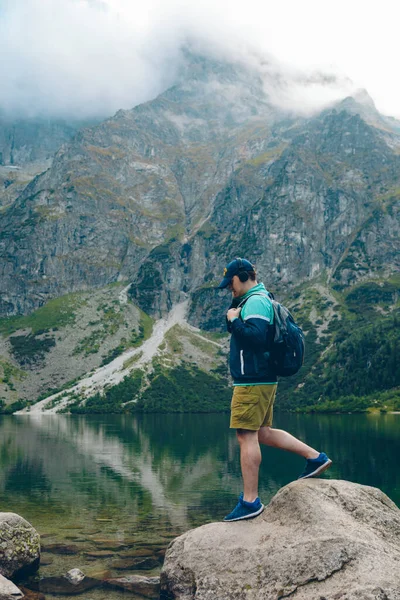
column 316, row 540
column 9, row 591
column 19, row 544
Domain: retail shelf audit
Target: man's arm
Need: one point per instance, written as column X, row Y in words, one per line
column 254, row 328
column 252, row 332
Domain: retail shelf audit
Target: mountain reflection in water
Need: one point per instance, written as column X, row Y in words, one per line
column 180, row 469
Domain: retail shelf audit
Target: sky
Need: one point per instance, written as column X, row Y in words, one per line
column 88, row 58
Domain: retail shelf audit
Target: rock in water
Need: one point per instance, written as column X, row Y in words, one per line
column 9, row 591
column 317, row 539
column 75, row 576
column 69, row 584
column 149, row 587
column 19, row 544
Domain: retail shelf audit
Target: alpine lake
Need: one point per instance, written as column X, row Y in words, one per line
column 108, row 493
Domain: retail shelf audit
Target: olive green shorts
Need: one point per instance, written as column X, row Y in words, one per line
column 252, row 406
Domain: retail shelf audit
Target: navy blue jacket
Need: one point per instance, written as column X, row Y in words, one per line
column 251, row 339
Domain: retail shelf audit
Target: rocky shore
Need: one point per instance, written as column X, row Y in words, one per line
column 20, row 557
column 316, row 540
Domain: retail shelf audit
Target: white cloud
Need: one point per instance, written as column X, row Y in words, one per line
column 91, row 57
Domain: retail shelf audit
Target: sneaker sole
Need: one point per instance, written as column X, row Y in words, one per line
column 319, row 470
column 246, row 516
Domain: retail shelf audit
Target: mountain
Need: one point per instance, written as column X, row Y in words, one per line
column 27, row 147
column 162, row 196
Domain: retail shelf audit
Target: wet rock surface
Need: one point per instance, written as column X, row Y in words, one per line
column 149, row 587
column 19, row 544
column 61, row 548
column 31, row 595
column 316, row 539
column 146, row 564
column 67, row 584
column 8, row 590
column 99, row 554
column 136, row 552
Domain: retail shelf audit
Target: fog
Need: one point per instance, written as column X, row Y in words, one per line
column 89, row 58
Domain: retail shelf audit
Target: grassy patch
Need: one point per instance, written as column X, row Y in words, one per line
column 90, row 344
column 54, row 314
column 144, row 331
column 114, row 353
column 198, row 341
column 266, row 157
column 110, row 320
column 379, row 401
column 131, row 361
column 172, row 338
column 10, row 372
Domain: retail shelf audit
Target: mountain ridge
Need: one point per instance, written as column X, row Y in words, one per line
column 162, row 196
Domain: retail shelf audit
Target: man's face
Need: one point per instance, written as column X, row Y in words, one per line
column 236, row 287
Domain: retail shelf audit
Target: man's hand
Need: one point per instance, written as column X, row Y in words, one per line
column 233, row 313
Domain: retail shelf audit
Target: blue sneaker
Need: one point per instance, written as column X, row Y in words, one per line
column 245, row 510
column 315, row 466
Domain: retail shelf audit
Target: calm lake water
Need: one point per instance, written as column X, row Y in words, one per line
column 118, row 484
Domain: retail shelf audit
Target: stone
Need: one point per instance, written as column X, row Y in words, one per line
column 101, row 574
column 149, row 587
column 61, row 549
column 69, row 584
column 8, row 590
column 31, row 595
column 19, row 544
column 99, row 554
column 140, row 565
column 136, row 552
column 75, row 576
column 110, row 545
column 317, row 539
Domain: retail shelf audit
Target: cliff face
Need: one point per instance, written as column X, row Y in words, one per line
column 164, row 194
column 32, row 140
column 134, row 182
column 27, row 148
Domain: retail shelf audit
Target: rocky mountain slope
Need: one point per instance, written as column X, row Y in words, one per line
column 163, row 195
column 96, row 351
column 27, row 147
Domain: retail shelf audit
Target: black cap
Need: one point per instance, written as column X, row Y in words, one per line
column 236, row 266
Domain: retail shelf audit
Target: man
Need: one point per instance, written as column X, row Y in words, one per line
column 250, row 321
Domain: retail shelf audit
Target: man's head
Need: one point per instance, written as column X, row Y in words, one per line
column 239, row 277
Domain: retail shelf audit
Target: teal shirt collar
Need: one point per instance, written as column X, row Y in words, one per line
column 260, row 287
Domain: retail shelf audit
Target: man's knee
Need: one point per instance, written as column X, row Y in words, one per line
column 265, row 435
column 245, row 435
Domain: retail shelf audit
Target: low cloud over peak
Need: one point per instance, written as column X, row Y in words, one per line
column 89, row 58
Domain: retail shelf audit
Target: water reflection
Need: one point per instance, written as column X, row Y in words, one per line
column 27, row 476
column 178, row 469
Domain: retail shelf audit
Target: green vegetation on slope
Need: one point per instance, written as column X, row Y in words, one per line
column 54, row 314
column 30, row 349
column 112, row 400
column 360, row 368
column 185, row 389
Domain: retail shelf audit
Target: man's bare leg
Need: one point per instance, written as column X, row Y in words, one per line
column 285, row 441
column 250, row 460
